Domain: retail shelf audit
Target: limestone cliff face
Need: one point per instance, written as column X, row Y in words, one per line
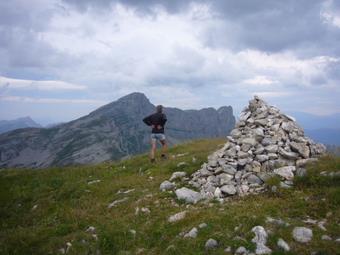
column 111, row 132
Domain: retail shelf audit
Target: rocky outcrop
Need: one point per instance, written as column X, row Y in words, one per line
column 111, row 132
column 264, row 143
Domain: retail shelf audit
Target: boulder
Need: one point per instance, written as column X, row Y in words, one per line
column 250, row 140
column 286, row 172
column 188, row 195
column 302, row 234
column 260, row 240
column 228, row 189
column 166, row 185
column 254, row 179
column 177, row 175
column 288, row 154
column 192, row 233
column 228, row 169
column 301, row 148
column 211, row 244
column 283, row 245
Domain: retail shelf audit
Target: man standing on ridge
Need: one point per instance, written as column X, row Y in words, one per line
column 157, row 122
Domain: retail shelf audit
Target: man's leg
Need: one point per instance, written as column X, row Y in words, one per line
column 164, row 148
column 153, row 149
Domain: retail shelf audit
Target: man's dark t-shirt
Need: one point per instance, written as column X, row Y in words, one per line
column 158, row 120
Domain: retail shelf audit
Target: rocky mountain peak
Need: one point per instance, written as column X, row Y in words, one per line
column 264, row 143
column 23, row 122
column 135, row 96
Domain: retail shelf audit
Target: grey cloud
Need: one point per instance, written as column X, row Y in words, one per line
column 30, row 15
column 142, row 6
column 274, row 26
column 265, row 25
column 22, row 53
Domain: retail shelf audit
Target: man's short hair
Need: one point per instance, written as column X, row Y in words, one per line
column 159, row 108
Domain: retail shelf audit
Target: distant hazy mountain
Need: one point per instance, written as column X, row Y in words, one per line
column 110, row 132
column 310, row 121
column 323, row 129
column 25, row 122
column 325, row 135
column 334, row 150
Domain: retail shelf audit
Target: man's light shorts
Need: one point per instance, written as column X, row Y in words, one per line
column 159, row 137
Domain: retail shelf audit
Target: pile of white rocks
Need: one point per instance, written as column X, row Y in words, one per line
column 264, row 143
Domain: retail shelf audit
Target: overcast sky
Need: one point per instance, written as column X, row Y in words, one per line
column 60, row 59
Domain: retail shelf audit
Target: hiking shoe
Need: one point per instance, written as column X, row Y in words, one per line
column 163, row 156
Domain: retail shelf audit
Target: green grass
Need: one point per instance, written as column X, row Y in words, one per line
column 67, row 206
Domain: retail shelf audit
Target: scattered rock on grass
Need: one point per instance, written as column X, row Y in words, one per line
column 241, row 250
column 188, row 195
column 326, row 237
column 180, row 164
column 192, row 233
column 91, row 229
column 93, row 182
column 211, row 244
column 145, row 210
column 227, row 250
column 125, row 192
column 321, row 225
column 177, row 175
column 177, row 216
column 260, row 240
column 279, row 222
column 302, row 234
column 283, row 245
column 114, row 203
column 166, row 185
column 133, row 232
column 170, row 248
column 202, row 225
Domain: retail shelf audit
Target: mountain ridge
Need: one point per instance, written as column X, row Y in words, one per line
column 22, row 122
column 110, row 132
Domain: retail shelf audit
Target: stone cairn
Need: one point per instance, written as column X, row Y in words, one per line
column 264, row 143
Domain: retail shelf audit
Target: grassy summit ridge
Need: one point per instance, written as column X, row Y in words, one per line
column 42, row 210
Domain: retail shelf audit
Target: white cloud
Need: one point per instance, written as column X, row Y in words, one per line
column 328, row 15
column 260, row 80
column 10, row 83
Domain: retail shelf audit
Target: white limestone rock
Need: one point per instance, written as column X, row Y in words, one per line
column 260, row 240
column 177, row 175
column 302, row 234
column 211, row 244
column 188, row 195
column 192, row 233
column 177, row 217
column 166, row 185
column 228, row 189
column 286, row 172
column 283, row 245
